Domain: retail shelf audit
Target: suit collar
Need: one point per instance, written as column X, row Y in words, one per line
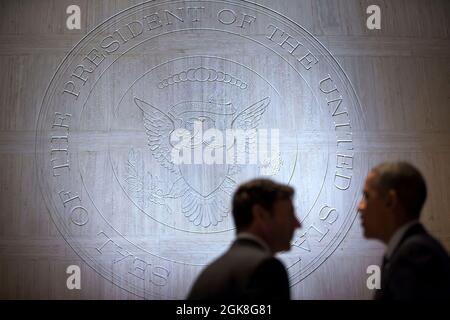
column 397, row 237
column 246, row 237
column 407, row 230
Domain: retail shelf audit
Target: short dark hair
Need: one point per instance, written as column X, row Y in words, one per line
column 408, row 183
column 264, row 192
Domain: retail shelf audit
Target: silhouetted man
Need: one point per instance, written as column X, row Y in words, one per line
column 415, row 265
column 265, row 223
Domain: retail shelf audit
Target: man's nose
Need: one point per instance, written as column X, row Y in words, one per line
column 361, row 205
column 297, row 223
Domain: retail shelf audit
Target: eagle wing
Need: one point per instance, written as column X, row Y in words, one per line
column 158, row 127
column 249, row 118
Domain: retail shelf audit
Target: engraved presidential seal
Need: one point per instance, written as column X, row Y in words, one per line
column 108, row 139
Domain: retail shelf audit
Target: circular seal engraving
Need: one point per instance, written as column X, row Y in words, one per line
column 157, row 115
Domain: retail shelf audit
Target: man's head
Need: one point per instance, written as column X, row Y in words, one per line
column 265, row 208
column 394, row 193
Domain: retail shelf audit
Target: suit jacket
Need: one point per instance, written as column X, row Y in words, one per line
column 245, row 272
column 419, row 268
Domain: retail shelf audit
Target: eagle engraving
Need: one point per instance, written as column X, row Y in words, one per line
column 205, row 189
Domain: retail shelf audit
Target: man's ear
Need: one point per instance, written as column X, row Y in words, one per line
column 392, row 199
column 259, row 213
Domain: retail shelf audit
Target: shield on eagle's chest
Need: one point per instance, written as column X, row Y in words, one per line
column 202, row 178
column 198, row 117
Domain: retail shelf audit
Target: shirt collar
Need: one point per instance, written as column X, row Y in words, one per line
column 397, row 237
column 252, row 237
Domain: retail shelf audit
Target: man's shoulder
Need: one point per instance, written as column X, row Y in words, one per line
column 269, row 280
column 422, row 240
column 422, row 246
column 419, row 269
column 228, row 275
column 238, row 256
column 271, row 265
